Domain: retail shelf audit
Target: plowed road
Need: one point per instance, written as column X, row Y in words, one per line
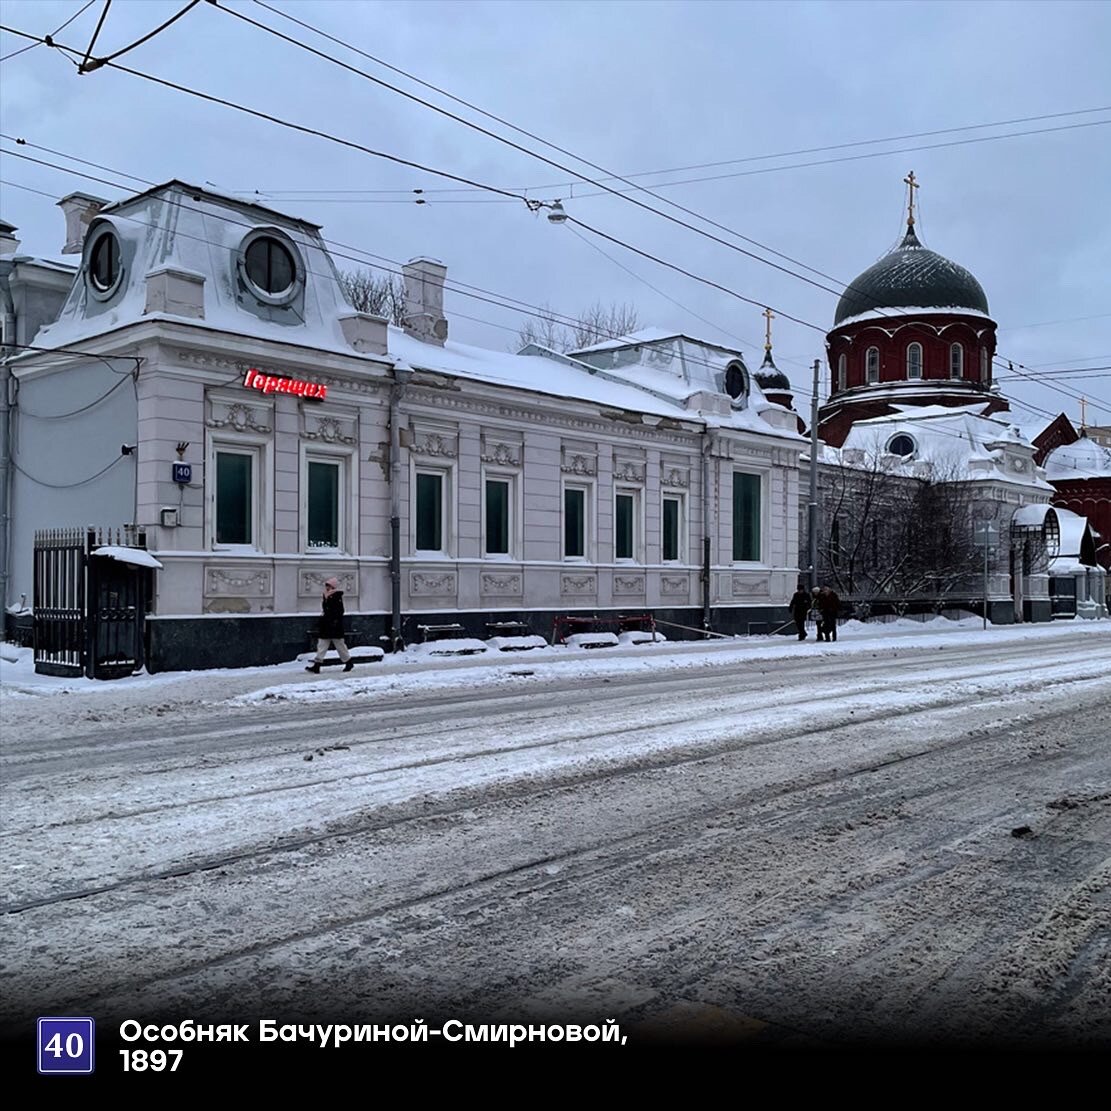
column 817, row 850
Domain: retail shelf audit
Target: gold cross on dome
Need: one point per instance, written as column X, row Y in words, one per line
column 769, row 316
column 910, row 180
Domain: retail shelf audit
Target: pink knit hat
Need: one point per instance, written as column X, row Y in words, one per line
column 333, row 583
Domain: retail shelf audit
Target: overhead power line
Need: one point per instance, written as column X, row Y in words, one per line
column 846, row 287
column 57, row 31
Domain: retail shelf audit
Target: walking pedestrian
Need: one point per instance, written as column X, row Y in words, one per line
column 330, row 629
column 800, row 608
column 829, row 608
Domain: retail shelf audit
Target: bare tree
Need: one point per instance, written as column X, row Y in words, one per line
column 899, row 533
column 381, row 295
column 597, row 323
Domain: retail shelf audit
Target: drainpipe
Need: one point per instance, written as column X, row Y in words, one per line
column 812, row 508
column 401, row 375
column 706, row 531
column 7, row 337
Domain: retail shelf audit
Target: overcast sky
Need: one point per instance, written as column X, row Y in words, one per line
column 631, row 86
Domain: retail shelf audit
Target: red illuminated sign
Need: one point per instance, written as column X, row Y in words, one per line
column 271, row 383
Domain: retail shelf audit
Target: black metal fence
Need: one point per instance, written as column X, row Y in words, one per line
column 89, row 613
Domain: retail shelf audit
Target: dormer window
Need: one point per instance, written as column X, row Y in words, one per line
column 104, row 267
column 270, row 268
column 269, row 265
column 736, row 382
column 902, row 444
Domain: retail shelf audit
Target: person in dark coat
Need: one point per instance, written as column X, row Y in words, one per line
column 829, row 608
column 800, row 607
column 330, row 628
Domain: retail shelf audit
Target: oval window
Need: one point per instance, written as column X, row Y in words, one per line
column 902, row 444
column 269, row 265
column 736, row 384
column 104, row 262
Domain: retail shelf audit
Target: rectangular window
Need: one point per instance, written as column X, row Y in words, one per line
column 574, row 523
column 323, row 505
column 430, row 512
column 672, row 527
column 235, row 509
column 746, row 516
column 625, row 525
column 497, row 516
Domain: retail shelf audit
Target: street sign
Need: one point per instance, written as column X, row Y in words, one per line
column 985, row 533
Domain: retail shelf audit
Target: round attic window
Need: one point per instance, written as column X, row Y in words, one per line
column 269, row 267
column 902, row 444
column 736, row 381
column 105, row 270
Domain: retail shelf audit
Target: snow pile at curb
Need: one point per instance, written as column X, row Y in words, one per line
column 591, row 640
column 460, row 646
column 641, row 637
column 516, row 644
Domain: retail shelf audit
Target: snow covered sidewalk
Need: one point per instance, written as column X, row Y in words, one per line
column 22, row 691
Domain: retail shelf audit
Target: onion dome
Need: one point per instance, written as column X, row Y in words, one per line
column 770, row 377
column 912, row 277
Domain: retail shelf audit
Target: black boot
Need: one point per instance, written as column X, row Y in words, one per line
column 349, row 665
column 314, row 667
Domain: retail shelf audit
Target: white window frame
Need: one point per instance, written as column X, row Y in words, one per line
column 868, row 376
column 763, row 548
column 446, row 474
column 514, row 531
column 260, row 448
column 681, row 542
column 347, row 460
column 956, row 364
column 916, row 346
column 636, row 494
column 589, row 523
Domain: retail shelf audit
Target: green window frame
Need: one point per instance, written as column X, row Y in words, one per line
column 323, row 525
column 429, row 512
column 746, row 517
column 671, row 527
column 574, row 522
column 235, row 497
column 498, row 501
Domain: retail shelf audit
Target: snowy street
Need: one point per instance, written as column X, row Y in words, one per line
column 902, row 835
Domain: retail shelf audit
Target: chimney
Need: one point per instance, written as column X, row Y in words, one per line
column 424, row 300
column 8, row 242
column 79, row 210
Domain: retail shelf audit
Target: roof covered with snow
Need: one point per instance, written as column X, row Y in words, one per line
column 200, row 237
column 953, row 444
column 1079, row 460
column 912, row 275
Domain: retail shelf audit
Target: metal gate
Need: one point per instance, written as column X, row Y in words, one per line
column 89, row 609
column 1062, row 593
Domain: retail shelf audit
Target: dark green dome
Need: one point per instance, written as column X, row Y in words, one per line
column 912, row 276
column 770, row 377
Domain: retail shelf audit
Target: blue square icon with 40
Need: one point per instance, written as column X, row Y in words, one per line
column 65, row 1045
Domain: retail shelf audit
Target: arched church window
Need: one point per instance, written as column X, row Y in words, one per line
column 985, row 365
column 914, row 360
column 956, row 361
column 841, row 372
column 872, row 365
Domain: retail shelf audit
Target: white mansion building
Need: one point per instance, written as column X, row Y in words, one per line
column 206, row 381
